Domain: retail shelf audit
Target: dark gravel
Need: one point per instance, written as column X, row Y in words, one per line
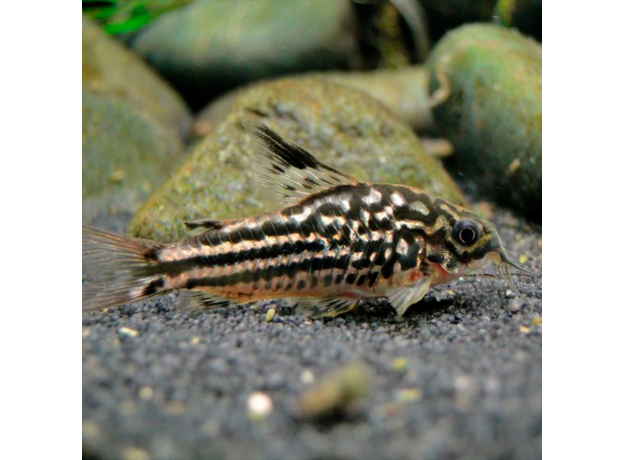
column 175, row 384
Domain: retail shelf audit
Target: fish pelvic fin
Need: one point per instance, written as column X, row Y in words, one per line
column 197, row 301
column 117, row 269
column 401, row 298
column 315, row 307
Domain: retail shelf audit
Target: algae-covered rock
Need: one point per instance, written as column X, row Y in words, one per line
column 487, row 83
column 208, row 47
column 404, row 91
column 110, row 68
column 341, row 125
column 125, row 156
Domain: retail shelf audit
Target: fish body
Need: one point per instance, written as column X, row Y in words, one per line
column 335, row 242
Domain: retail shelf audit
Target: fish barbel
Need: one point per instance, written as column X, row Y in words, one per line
column 335, row 242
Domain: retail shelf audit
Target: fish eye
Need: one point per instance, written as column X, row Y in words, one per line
column 466, row 232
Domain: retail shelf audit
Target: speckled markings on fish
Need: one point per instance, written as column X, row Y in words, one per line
column 335, row 242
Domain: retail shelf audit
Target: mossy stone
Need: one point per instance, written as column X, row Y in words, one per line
column 208, row 47
column 108, row 67
column 487, row 81
column 405, row 92
column 125, row 156
column 340, row 125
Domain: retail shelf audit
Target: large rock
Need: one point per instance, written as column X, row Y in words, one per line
column 125, row 156
column 341, row 125
column 108, row 67
column 405, row 92
column 208, row 47
column 487, row 82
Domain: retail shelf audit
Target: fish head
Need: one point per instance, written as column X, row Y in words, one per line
column 462, row 242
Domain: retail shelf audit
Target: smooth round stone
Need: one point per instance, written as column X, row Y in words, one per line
column 340, row 125
column 487, row 84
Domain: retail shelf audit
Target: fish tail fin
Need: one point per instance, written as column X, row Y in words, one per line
column 118, row 269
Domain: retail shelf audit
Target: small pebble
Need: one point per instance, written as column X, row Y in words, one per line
column 146, row 393
column 90, row 430
column 409, row 394
column 537, row 322
column 337, row 392
column 134, row 453
column 128, row 332
column 399, row 365
column 307, row 376
column 269, row 315
column 515, row 305
column 523, row 258
column 259, row 406
column 514, row 166
column 176, row 408
column 195, row 340
column 118, row 176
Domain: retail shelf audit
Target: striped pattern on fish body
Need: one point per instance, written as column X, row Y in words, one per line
column 337, row 241
column 357, row 239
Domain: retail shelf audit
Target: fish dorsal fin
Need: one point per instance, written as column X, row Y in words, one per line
column 291, row 172
column 403, row 297
column 316, row 307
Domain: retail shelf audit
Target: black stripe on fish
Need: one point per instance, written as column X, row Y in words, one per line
column 236, row 256
column 408, row 260
column 250, row 276
column 153, row 287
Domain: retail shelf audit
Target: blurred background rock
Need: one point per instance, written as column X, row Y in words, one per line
column 157, row 59
column 486, row 86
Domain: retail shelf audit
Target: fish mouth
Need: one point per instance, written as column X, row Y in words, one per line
column 504, row 271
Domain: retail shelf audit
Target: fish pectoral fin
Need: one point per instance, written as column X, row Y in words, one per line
column 289, row 172
column 208, row 224
column 197, row 300
column 318, row 307
column 403, row 297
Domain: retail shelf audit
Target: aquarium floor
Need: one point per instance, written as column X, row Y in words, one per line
column 166, row 384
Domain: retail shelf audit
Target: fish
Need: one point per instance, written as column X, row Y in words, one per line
column 333, row 243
